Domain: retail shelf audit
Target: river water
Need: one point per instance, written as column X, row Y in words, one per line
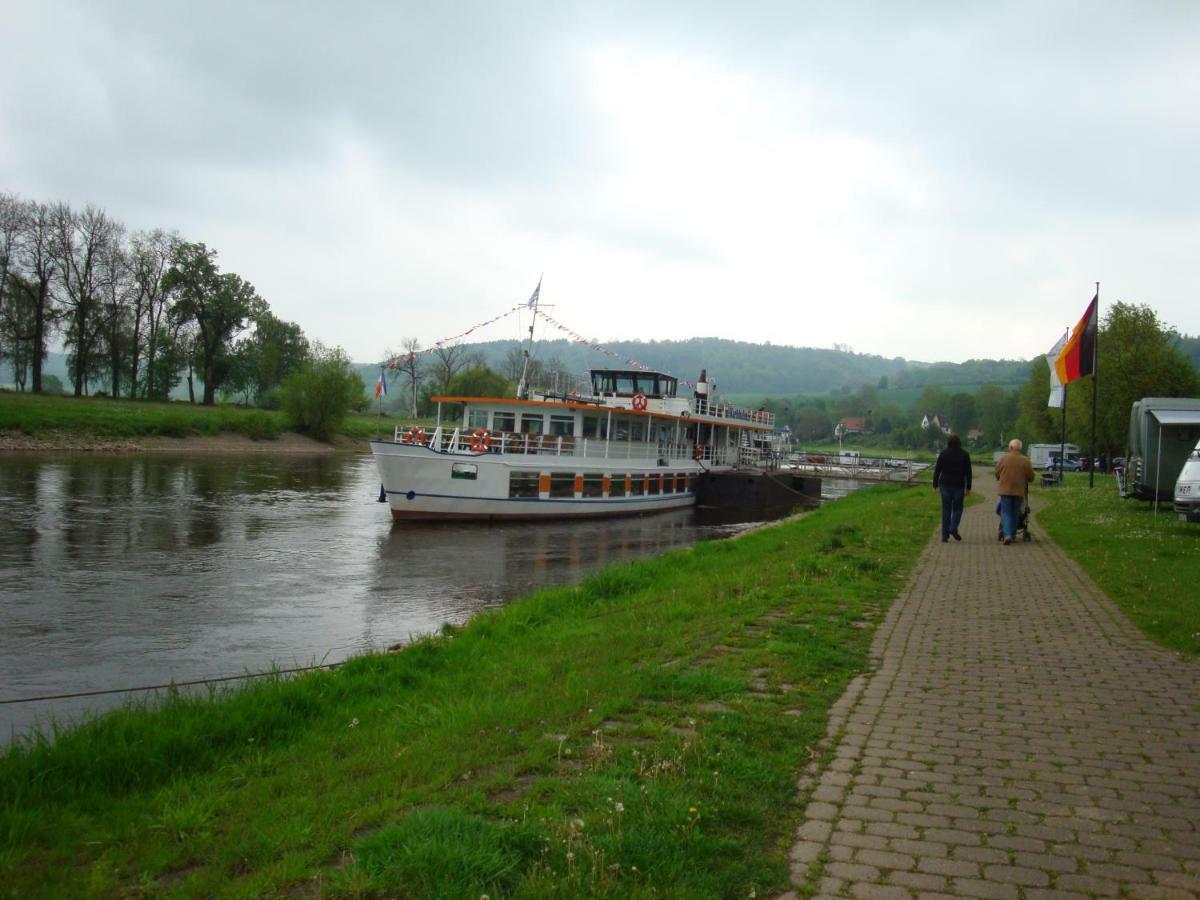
column 127, row 570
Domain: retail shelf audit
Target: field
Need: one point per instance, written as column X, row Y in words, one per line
column 1148, row 562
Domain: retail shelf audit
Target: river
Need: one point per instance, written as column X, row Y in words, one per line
column 122, row 570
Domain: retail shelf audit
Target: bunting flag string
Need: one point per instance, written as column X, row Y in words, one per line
column 593, row 345
column 401, row 359
column 437, row 345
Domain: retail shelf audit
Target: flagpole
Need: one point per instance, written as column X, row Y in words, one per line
column 1095, row 391
column 1062, row 447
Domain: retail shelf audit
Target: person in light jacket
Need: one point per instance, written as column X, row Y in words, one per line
column 1014, row 473
column 952, row 476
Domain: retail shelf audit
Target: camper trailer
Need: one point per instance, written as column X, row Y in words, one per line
column 1045, row 456
column 1162, row 433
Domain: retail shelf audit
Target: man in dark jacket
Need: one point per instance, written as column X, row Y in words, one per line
column 952, row 476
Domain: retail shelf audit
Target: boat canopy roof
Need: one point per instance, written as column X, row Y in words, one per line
column 626, row 383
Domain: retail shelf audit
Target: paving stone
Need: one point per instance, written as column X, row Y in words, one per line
column 1015, row 737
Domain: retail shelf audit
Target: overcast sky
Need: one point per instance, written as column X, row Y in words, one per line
column 938, row 181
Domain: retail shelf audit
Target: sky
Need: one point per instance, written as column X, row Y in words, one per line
column 937, row 181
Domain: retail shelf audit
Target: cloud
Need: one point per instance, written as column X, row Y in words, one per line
column 945, row 181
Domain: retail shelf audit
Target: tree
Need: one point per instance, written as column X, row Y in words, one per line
column 410, row 367
column 996, row 413
column 318, row 397
column 221, row 305
column 262, row 361
column 12, row 230
column 149, row 256
column 1138, row 356
column 962, row 412
column 38, row 264
column 16, row 327
column 480, row 382
column 117, row 293
column 81, row 243
column 448, row 361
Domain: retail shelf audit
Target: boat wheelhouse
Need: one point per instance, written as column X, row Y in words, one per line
column 623, row 443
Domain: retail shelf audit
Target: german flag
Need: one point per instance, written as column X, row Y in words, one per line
column 1078, row 356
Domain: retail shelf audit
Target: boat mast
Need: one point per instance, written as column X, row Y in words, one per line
column 522, row 387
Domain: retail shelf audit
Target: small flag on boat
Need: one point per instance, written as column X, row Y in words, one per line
column 533, row 298
column 381, row 385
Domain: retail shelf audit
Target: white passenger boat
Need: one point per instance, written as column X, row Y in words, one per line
column 625, row 443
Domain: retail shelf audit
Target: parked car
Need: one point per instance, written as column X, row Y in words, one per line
column 1187, row 488
column 1070, row 464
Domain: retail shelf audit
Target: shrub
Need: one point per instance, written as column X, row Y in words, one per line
column 318, row 397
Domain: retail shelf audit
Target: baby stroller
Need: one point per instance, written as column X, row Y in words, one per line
column 1022, row 529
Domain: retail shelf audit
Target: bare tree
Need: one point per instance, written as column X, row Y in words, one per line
column 410, row 366
column 81, row 242
column 150, row 254
column 448, row 362
column 12, row 230
column 116, row 288
column 37, row 261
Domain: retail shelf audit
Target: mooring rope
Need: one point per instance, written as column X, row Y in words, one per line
column 170, row 684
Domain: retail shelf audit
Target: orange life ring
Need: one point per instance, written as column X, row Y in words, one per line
column 415, row 435
column 639, row 400
column 481, row 440
column 698, row 453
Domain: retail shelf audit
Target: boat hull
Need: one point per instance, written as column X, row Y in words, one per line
column 421, row 483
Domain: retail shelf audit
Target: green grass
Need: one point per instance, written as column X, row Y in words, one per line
column 1148, row 564
column 102, row 418
column 637, row 735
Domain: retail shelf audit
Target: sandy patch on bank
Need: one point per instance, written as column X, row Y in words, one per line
column 226, row 442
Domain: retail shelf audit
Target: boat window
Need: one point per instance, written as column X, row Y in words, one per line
column 637, row 484
column 591, row 426
column 504, row 421
column 593, row 485
column 680, row 482
column 637, row 430
column 626, row 384
column 532, row 424
column 523, row 484
column 616, row 487
column 562, row 424
column 469, row 471
column 477, row 418
column 562, row 484
column 654, row 484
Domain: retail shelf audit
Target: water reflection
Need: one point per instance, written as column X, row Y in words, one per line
column 139, row 569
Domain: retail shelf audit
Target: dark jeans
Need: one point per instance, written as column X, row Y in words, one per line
column 952, row 506
column 1010, row 514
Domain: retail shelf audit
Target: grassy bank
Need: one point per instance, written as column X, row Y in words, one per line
column 101, row 418
column 638, row 735
column 1148, row 564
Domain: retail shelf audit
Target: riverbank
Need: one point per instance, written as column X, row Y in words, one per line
column 224, row 442
column 638, row 734
column 33, row 423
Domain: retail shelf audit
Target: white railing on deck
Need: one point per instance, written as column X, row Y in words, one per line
column 513, row 443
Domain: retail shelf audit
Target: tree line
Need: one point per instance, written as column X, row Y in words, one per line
column 137, row 312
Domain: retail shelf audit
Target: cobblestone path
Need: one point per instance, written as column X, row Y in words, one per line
column 1017, row 737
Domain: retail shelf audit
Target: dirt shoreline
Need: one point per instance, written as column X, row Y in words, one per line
column 226, row 442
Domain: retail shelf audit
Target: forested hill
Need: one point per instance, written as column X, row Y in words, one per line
column 769, row 369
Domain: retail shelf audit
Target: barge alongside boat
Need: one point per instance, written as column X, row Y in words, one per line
column 625, row 443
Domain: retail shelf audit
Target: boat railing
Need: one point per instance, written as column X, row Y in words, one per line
column 719, row 409
column 457, row 440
